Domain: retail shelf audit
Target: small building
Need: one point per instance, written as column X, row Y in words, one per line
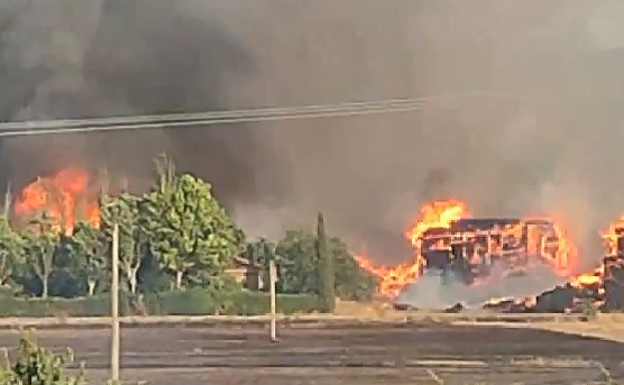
column 247, row 273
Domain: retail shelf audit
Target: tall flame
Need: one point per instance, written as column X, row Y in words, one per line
column 64, row 196
column 392, row 279
column 567, row 255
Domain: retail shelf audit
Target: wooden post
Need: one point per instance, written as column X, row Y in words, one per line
column 115, row 306
column 272, row 279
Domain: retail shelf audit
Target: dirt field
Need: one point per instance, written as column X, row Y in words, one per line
column 412, row 353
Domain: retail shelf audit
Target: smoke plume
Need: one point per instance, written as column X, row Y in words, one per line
column 526, row 115
column 432, row 291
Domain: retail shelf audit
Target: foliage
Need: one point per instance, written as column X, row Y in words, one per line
column 124, row 211
column 89, row 252
column 176, row 237
column 42, row 239
column 325, row 269
column 39, row 366
column 193, row 301
column 352, row 282
column 11, row 251
column 189, row 231
column 261, row 252
column 297, row 261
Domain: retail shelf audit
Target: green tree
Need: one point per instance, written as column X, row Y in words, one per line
column 124, row 210
column 325, row 271
column 89, row 251
column 42, row 237
column 189, row 231
column 297, row 258
column 261, row 252
column 11, row 251
column 351, row 282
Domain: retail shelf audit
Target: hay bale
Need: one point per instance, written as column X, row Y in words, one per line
column 558, row 300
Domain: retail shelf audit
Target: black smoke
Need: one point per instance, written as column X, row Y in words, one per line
column 527, row 116
column 127, row 57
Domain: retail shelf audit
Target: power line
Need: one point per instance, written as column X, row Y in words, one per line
column 66, row 123
column 138, row 122
column 9, row 129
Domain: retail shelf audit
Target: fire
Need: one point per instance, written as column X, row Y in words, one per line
column 566, row 257
column 65, row 196
column 594, row 278
column 610, row 235
column 545, row 239
column 437, row 214
column 392, row 279
column 497, row 300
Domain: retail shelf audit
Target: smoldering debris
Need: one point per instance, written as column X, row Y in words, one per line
column 605, row 295
column 435, row 291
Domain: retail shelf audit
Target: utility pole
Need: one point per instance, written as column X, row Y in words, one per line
column 115, row 306
column 8, row 200
column 272, row 279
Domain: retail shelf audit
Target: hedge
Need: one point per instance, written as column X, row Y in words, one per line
column 188, row 302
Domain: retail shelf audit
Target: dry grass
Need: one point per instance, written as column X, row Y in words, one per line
column 607, row 326
column 364, row 310
column 604, row 326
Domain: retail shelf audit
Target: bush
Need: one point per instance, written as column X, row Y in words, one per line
column 39, row 366
column 58, row 307
column 185, row 302
column 242, row 302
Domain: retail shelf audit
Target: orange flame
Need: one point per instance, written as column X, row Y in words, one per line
column 554, row 246
column 566, row 257
column 65, row 196
column 437, row 214
column 392, row 279
column 591, row 279
column 610, row 235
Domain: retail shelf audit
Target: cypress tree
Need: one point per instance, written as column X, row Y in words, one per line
column 327, row 297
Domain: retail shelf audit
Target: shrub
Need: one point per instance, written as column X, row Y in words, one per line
column 55, row 307
column 184, row 302
column 242, row 302
column 39, row 366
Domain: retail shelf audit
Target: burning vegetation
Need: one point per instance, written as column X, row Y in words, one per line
column 68, row 196
column 446, row 240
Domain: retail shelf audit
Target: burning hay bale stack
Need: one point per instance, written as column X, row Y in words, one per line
column 611, row 273
column 562, row 299
column 451, row 245
column 602, row 289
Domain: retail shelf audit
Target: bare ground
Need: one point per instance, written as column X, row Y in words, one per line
column 342, row 353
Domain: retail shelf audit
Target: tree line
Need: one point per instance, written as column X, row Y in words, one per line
column 173, row 237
